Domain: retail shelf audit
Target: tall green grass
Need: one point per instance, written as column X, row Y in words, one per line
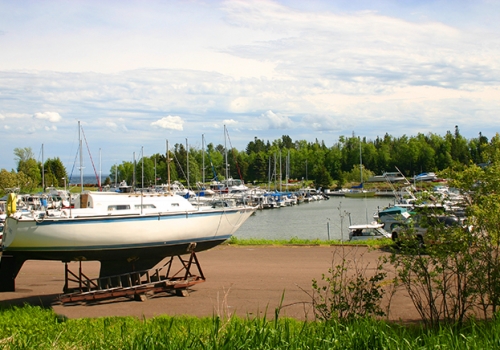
column 36, row 328
column 375, row 243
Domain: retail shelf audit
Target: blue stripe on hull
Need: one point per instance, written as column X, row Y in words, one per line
column 119, row 246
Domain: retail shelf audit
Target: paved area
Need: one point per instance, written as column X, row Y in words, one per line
column 246, row 281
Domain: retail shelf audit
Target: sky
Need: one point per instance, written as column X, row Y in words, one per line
column 137, row 74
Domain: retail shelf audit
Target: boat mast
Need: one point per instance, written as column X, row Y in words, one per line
column 203, row 153
column 269, row 175
column 226, row 174
column 133, row 174
column 142, row 166
column 274, row 172
column 360, row 161
column 187, row 163
column 168, row 169
column 281, row 175
column 287, row 176
column 43, row 172
column 81, row 155
column 100, row 171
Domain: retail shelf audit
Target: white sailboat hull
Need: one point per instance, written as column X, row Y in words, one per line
column 119, row 232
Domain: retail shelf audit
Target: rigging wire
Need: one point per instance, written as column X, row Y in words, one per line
column 90, row 155
column 234, row 157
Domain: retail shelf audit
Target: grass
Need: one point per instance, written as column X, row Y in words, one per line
column 381, row 243
column 31, row 327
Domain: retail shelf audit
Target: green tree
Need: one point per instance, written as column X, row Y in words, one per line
column 12, row 180
column 27, row 164
column 126, row 172
column 321, row 177
column 22, row 155
column 55, row 167
column 144, row 172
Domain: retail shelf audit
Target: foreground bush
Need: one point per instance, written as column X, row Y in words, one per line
column 36, row 328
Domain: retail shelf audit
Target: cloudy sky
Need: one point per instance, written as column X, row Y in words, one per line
column 138, row 73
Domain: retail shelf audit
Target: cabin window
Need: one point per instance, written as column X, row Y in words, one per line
column 145, row 206
column 118, row 207
column 174, row 204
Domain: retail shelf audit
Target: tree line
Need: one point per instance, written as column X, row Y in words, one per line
column 264, row 162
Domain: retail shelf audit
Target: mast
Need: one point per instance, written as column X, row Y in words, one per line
column 187, row 163
column 81, row 155
column 142, row 166
column 360, row 161
column 203, row 153
column 269, row 175
column 142, row 179
column 281, row 175
column 100, row 172
column 226, row 174
column 168, row 169
column 275, row 175
column 43, row 172
column 287, row 176
column 133, row 174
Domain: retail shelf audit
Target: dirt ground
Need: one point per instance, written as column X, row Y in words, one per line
column 246, row 281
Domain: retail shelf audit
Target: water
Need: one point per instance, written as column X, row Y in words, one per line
column 310, row 220
column 87, row 179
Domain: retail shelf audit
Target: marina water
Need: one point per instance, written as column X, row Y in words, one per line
column 323, row 220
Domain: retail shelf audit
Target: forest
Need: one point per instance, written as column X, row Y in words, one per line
column 263, row 162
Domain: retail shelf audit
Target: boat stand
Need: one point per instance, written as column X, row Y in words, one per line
column 137, row 284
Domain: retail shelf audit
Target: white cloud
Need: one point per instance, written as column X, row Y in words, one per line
column 230, row 122
column 277, row 121
column 52, row 117
column 170, row 122
column 111, row 125
column 322, row 123
column 50, row 128
column 2, row 116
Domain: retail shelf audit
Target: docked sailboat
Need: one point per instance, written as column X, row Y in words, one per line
column 359, row 191
column 124, row 231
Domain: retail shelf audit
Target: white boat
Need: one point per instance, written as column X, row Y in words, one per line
column 228, row 186
column 125, row 232
column 365, row 232
column 425, row 177
column 359, row 193
column 387, row 176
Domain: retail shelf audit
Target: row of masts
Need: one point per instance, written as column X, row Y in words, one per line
column 168, row 160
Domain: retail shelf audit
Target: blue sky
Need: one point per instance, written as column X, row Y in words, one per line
column 138, row 73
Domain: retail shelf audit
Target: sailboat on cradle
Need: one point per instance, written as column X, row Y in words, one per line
column 123, row 231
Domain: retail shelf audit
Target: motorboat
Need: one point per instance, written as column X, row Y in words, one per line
column 425, row 177
column 124, row 231
column 228, row 186
column 393, row 216
column 387, row 176
column 365, row 232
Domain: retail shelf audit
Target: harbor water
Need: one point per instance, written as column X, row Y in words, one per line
column 323, row 220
